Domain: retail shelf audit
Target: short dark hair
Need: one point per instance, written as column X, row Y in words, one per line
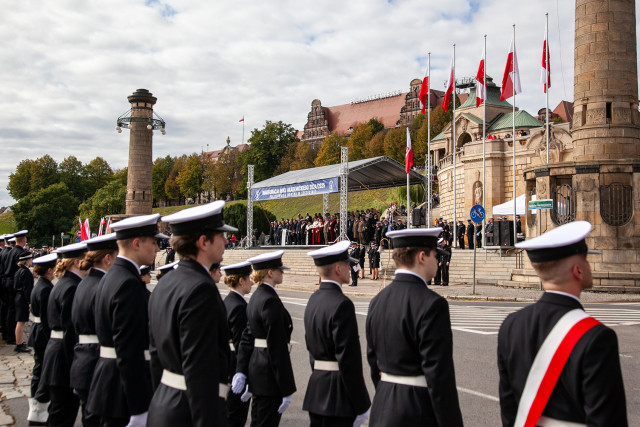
column 185, row 245
column 407, row 256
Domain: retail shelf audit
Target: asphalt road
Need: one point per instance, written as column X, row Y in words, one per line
column 475, row 326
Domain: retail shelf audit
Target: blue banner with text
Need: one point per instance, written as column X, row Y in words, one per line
column 308, row 188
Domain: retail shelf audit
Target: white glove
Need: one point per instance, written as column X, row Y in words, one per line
column 360, row 419
column 246, row 395
column 238, row 382
column 139, row 420
column 286, row 401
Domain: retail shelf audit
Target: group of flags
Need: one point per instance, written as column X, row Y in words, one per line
column 85, row 230
column 510, row 84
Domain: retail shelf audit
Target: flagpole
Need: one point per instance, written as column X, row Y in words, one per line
column 513, row 137
column 547, row 78
column 243, row 128
column 408, row 189
column 453, row 139
column 429, row 219
column 484, row 140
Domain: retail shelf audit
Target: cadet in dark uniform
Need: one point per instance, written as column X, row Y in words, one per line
column 102, row 251
column 189, row 334
column 5, row 248
column 165, row 269
column 587, row 389
column 121, row 389
column 355, row 254
column 336, row 395
column 470, row 233
column 239, row 282
column 43, row 267
column 58, row 355
column 409, row 341
column 444, row 259
column 263, row 358
column 10, row 266
column 22, row 285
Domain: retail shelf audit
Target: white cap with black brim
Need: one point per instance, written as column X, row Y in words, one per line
column 338, row 252
column 197, row 219
column 20, row 233
column 240, row 269
column 268, row 261
column 169, row 266
column 106, row 241
column 75, row 250
column 416, row 237
column 137, row 226
column 49, row 260
column 25, row 256
column 559, row 243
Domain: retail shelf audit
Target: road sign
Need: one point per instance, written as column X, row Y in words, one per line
column 540, row 204
column 477, row 213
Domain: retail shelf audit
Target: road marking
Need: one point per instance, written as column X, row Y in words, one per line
column 477, row 393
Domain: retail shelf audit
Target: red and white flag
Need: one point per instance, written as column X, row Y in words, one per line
column 83, row 232
column 451, row 84
column 480, row 81
column 408, row 157
column 87, row 229
column 108, row 227
column 101, row 226
column 511, row 77
column 424, row 91
column 545, row 72
column 241, row 120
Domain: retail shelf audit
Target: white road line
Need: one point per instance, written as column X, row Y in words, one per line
column 477, row 393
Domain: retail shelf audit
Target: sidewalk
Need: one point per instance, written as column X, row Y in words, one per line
column 15, row 380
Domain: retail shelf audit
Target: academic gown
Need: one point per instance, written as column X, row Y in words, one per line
column 121, row 387
column 331, row 334
column 409, row 334
column 189, row 336
column 590, row 388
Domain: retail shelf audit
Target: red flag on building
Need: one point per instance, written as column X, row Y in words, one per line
column 511, row 77
column 545, row 72
column 424, row 91
column 480, row 82
column 450, row 87
column 408, row 157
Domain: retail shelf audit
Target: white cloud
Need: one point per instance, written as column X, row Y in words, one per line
column 69, row 65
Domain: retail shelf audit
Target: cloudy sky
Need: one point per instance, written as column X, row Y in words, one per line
column 68, row 66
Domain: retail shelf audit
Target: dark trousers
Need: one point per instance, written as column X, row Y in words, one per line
column 63, row 409
column 326, row 421
column 354, row 276
column 444, row 272
column 470, row 238
column 237, row 411
column 437, row 280
column 88, row 419
column 40, row 393
column 114, row 422
column 461, row 241
column 264, row 411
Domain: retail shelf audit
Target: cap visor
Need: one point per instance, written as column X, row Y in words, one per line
column 283, row 267
column 353, row 260
column 594, row 252
column 227, row 228
column 161, row 236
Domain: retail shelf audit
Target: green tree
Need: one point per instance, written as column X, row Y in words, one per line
column 97, row 174
column 108, row 200
column 71, row 172
column 46, row 212
column 267, row 148
column 236, row 216
column 329, row 153
column 44, row 172
column 171, row 187
column 304, row 156
column 160, row 173
column 190, row 177
column 226, row 173
column 375, row 125
column 361, row 134
column 375, row 146
column 20, row 181
column 395, row 143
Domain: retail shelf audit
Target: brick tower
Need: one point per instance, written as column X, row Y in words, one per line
column 139, row 200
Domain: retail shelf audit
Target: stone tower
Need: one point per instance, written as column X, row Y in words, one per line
column 139, row 200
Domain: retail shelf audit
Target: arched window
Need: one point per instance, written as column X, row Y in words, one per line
column 564, row 204
column 616, row 203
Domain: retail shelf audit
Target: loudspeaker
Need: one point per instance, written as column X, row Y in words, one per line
column 505, row 233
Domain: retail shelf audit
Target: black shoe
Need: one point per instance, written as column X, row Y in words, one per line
column 353, row 285
column 22, row 348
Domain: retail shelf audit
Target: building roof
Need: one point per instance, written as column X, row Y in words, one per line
column 343, row 118
column 565, row 111
column 505, row 121
column 214, row 155
column 473, row 118
column 493, row 97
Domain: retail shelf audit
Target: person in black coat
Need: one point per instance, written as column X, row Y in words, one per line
column 336, row 395
column 190, row 348
column 589, row 388
column 363, row 254
column 470, row 233
column 5, row 248
column 355, row 254
column 263, row 357
column 22, row 285
column 409, row 341
column 460, row 231
column 43, row 268
column 58, row 355
column 444, row 259
column 9, row 267
column 120, row 389
column 239, row 282
column 102, row 252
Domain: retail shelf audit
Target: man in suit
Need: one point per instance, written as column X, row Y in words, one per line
column 10, row 266
column 470, row 233
column 535, row 384
column 355, row 255
column 121, row 389
column 336, row 395
column 409, row 340
column 460, row 234
column 190, row 349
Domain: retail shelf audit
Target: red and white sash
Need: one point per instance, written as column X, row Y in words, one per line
column 548, row 365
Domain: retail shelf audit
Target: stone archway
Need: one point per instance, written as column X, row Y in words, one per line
column 463, row 139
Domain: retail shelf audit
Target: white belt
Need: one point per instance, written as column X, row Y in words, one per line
column 57, row 335
column 552, row 422
column 110, row 353
column 88, row 339
column 260, row 343
column 325, row 365
column 232, row 347
column 177, row 381
column 417, row 381
column 34, row 319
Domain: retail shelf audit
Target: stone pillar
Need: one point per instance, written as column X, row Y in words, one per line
column 139, row 200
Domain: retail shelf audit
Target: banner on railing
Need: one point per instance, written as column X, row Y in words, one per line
column 300, row 189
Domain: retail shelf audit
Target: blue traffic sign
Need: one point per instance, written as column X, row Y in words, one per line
column 477, row 213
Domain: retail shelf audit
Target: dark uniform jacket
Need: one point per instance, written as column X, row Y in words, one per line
column 590, row 388
column 121, row 387
column 331, row 333
column 269, row 371
column 189, row 336
column 409, row 334
column 40, row 332
column 10, row 266
column 59, row 352
column 85, row 356
column 23, row 283
column 236, row 307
